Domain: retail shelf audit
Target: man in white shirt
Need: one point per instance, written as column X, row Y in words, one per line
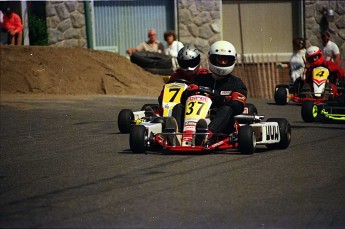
column 330, row 49
column 152, row 45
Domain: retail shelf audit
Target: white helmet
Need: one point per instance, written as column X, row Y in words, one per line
column 221, row 58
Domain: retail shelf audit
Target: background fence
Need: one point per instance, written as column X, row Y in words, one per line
column 261, row 73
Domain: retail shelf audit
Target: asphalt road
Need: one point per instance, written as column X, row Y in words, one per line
column 63, row 163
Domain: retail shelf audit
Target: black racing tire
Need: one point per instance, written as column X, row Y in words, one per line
column 162, row 72
column 152, row 60
column 138, row 139
column 246, row 139
column 154, row 106
column 280, row 96
column 124, row 120
column 285, row 133
column 309, row 111
column 252, row 110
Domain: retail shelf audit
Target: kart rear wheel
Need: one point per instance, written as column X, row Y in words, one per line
column 124, row 120
column 138, row 139
column 281, row 96
column 246, row 139
column 309, row 111
column 154, row 106
column 285, row 133
column 252, row 110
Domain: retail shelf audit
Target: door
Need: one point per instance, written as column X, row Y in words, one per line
column 123, row 24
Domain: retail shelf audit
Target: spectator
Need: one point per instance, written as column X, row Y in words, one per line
column 297, row 60
column 152, row 45
column 12, row 23
column 330, row 49
column 1, row 19
column 297, row 63
column 172, row 47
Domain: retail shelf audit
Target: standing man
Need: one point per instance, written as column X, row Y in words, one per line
column 330, row 49
column 152, row 45
column 12, row 23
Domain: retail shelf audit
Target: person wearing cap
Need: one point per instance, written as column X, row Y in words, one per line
column 12, row 23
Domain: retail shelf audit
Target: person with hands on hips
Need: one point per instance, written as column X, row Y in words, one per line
column 229, row 91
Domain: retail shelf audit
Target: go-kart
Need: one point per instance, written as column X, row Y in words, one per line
column 248, row 131
column 321, row 91
column 171, row 96
column 330, row 110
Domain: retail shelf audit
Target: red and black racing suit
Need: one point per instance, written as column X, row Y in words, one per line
column 335, row 74
column 179, row 74
column 229, row 100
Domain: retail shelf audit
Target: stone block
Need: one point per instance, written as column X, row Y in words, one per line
column 62, row 11
column 65, row 25
column 71, row 5
column 54, row 36
column 71, row 43
column 340, row 7
column 309, row 11
column 205, row 31
column 185, row 16
column 72, row 33
column 216, row 26
column 82, row 43
column 193, row 10
column 202, row 18
column 78, row 20
column 215, row 14
column 340, row 22
column 183, row 30
column 341, row 33
column 208, row 5
column 81, row 8
column 202, row 44
column 193, row 29
column 50, row 10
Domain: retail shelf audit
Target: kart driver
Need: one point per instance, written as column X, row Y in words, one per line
column 188, row 59
column 315, row 58
column 229, row 92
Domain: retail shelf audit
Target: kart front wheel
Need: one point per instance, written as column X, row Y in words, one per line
column 138, row 139
column 124, row 120
column 284, row 131
column 281, row 96
column 309, row 111
column 246, row 139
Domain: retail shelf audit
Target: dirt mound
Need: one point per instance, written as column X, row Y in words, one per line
column 72, row 71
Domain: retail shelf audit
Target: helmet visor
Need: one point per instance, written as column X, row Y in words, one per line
column 313, row 59
column 222, row 60
column 186, row 64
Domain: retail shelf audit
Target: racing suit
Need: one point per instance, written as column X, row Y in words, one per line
column 178, row 74
column 335, row 73
column 229, row 100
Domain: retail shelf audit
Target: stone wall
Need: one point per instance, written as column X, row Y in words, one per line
column 66, row 23
column 316, row 20
column 199, row 23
